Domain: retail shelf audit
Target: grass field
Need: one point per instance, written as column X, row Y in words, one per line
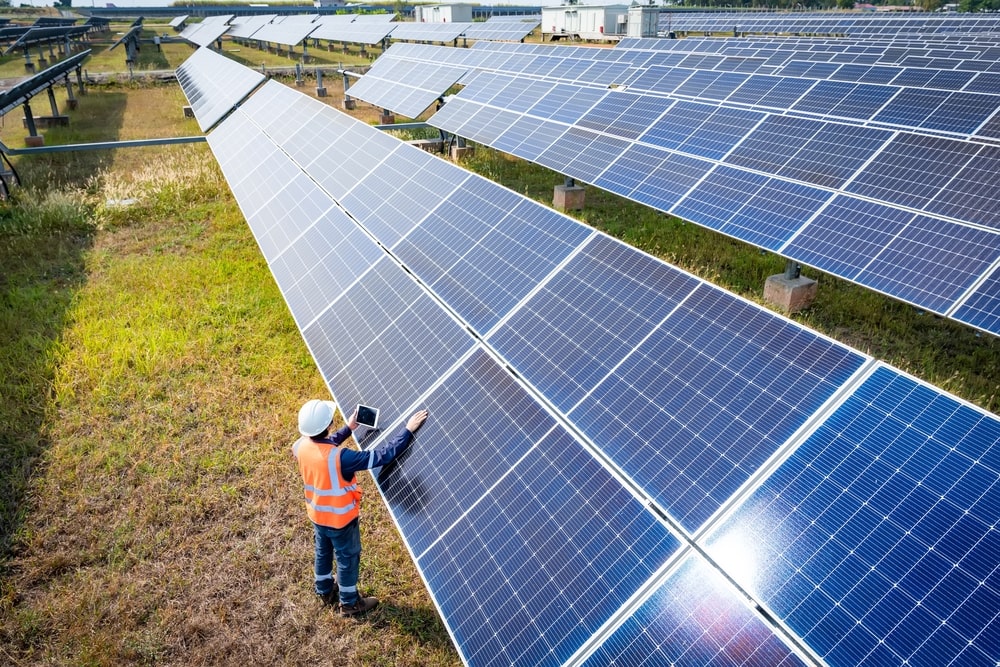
column 149, row 380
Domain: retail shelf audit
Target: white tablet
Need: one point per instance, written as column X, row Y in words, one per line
column 367, row 416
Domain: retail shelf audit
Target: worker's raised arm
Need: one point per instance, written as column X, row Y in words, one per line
column 352, row 461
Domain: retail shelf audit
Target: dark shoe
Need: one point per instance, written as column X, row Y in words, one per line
column 331, row 599
column 362, row 606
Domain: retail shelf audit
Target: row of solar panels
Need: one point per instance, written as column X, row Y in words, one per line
column 364, row 29
column 853, row 24
column 623, row 462
column 910, row 215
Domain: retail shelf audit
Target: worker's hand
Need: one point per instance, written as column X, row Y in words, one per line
column 416, row 421
column 352, row 423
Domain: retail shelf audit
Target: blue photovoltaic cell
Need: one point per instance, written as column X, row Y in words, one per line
column 912, row 168
column 776, row 92
column 430, row 487
column 719, row 196
column 527, row 576
column 932, row 262
column 877, row 541
column 631, row 168
column 316, row 268
column 593, row 158
column 850, row 100
column 485, row 248
column 588, row 317
column 695, row 618
column 778, row 209
column 911, row 107
column 773, row 143
column 846, row 235
column 982, row 308
column 667, row 183
column 971, row 193
column 385, row 341
column 567, row 103
column 719, row 132
column 834, row 154
column 660, row 79
column 707, row 398
column 396, row 197
column 624, row 114
column 962, row 113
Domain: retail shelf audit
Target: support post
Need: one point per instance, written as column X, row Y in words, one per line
column 71, row 100
column 33, row 139
column 52, row 101
column 349, row 103
column 79, row 81
column 320, row 90
column 298, row 75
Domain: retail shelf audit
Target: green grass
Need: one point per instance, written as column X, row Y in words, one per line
column 149, row 381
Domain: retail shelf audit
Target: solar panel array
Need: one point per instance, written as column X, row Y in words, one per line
column 405, row 87
column 616, row 427
column 826, row 23
column 429, row 32
column 214, row 85
column 207, row 31
column 795, row 166
column 23, row 91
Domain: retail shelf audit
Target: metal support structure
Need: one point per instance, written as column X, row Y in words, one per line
column 79, row 81
column 792, row 269
column 69, row 93
column 52, row 100
column 298, row 74
column 569, row 181
column 29, row 120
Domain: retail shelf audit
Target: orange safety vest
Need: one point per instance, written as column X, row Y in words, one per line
column 330, row 499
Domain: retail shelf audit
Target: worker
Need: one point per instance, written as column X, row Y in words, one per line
column 333, row 497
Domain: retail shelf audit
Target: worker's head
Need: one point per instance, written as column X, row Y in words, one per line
column 315, row 418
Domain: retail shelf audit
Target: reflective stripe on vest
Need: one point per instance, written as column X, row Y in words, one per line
column 330, row 499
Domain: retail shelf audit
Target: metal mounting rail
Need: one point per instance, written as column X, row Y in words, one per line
column 100, row 145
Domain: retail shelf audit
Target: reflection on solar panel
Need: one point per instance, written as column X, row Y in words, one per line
column 876, row 541
column 608, row 417
column 214, row 85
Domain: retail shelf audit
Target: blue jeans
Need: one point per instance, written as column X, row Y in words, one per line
column 346, row 543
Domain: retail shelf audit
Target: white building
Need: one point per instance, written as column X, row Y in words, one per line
column 596, row 22
column 442, row 13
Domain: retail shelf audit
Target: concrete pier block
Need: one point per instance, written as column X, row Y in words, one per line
column 790, row 294
column 458, row 152
column 349, row 105
column 35, row 141
column 568, row 197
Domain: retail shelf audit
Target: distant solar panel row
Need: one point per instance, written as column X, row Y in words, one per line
column 534, row 549
column 732, row 170
column 827, row 24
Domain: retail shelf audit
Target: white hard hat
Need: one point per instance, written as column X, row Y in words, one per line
column 315, row 416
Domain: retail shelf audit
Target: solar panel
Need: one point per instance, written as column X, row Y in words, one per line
column 204, row 33
column 354, row 33
column 875, row 541
column 287, row 33
column 615, row 420
column 405, row 88
column 429, row 32
column 25, row 90
column 214, row 84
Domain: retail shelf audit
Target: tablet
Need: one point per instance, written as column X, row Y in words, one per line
column 367, row 416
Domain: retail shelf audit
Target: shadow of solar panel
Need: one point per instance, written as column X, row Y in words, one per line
column 876, row 540
column 694, row 618
column 701, row 403
column 534, row 567
column 384, row 341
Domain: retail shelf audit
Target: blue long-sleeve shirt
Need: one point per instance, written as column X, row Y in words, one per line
column 351, row 460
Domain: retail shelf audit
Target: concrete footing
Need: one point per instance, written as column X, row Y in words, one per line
column 568, row 197
column 72, row 104
column 321, row 91
column 349, row 105
column 46, row 122
column 188, row 112
column 458, row 152
column 790, row 294
column 35, row 141
column 387, row 119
